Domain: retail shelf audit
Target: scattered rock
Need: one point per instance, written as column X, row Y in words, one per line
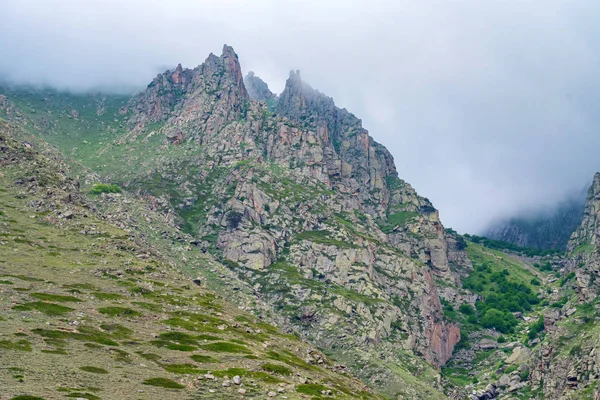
column 519, row 355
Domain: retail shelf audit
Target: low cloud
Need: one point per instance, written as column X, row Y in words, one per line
column 489, row 108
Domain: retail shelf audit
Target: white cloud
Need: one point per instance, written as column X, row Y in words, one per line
column 489, row 108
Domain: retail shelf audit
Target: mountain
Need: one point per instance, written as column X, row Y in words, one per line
column 290, row 193
column 542, row 232
column 92, row 311
column 566, row 365
column 225, row 230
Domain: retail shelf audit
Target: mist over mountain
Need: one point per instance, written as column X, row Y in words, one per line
column 186, row 219
column 485, row 121
column 548, row 229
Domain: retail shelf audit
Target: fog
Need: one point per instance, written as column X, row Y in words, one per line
column 489, row 108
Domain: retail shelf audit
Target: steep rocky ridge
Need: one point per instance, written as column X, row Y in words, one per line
column 91, row 311
column 299, row 198
column 287, row 207
column 301, row 204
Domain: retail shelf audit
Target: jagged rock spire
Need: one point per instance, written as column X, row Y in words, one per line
column 292, row 101
column 233, row 68
column 209, row 96
column 222, row 73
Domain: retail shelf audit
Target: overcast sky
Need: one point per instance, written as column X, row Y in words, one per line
column 490, row 108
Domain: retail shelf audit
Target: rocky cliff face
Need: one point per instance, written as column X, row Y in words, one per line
column 204, row 99
column 56, row 246
column 583, row 246
column 305, row 207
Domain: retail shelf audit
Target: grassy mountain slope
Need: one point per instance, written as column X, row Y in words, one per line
column 315, row 228
column 89, row 312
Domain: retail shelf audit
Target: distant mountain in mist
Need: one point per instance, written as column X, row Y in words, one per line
column 542, row 231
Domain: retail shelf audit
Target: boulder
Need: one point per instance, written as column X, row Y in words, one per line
column 519, row 355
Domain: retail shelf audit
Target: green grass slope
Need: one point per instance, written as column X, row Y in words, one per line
column 87, row 312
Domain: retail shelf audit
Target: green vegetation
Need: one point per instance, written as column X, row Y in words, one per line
column 49, row 309
column 536, row 327
column 27, row 397
column 289, row 358
column 585, row 248
column 184, row 369
column 500, row 297
column 105, row 188
column 311, row 389
column 458, row 376
column 566, row 278
column 504, row 286
column 546, row 266
column 225, row 347
column 86, row 334
column 107, row 296
column 503, row 321
column 400, row 218
column 277, row 369
column 55, row 297
column 203, row 359
column 164, row 383
column 94, row 370
column 20, row 345
column 394, row 183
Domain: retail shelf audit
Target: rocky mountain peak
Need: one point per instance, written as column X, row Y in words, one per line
column 595, row 188
column 200, row 100
column 294, row 98
column 227, row 66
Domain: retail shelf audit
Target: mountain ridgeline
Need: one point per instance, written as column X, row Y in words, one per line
column 290, row 210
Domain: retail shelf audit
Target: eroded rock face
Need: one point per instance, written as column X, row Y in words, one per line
column 307, row 209
column 583, row 246
column 189, row 102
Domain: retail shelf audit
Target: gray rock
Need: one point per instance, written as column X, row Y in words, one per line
column 519, row 355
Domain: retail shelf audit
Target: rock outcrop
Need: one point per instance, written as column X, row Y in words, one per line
column 187, row 102
column 305, row 209
column 584, row 247
column 301, row 202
